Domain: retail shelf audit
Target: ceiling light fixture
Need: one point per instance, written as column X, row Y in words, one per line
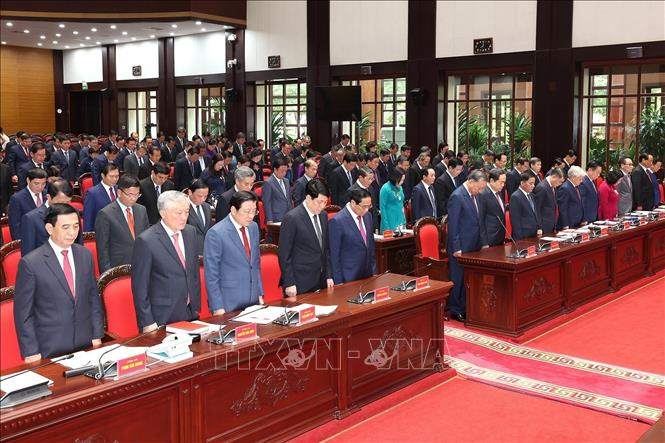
column 58, row 35
column 27, row 31
column 203, row 29
column 152, row 35
column 55, row 42
column 113, row 26
column 133, row 39
column 87, row 37
column 171, row 33
column 4, row 43
column 75, row 32
column 115, row 41
column 174, row 26
column 39, row 44
column 124, row 32
column 42, row 37
column 82, row 45
column 10, row 24
column 98, row 43
column 93, row 29
column 61, row 25
column 66, row 47
column 198, row 22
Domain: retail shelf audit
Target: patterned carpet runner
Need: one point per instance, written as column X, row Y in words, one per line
column 604, row 387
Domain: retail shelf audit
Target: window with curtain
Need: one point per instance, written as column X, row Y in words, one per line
column 280, row 110
column 623, row 109
column 488, row 111
column 201, row 109
column 138, row 109
column 383, row 112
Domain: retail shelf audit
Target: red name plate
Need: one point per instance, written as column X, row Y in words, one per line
column 246, row 332
column 422, row 282
column 585, row 237
column 661, row 215
column 554, row 246
column 643, row 221
column 381, row 294
column 531, row 251
column 626, row 225
column 388, row 233
column 132, row 365
column 307, row 315
column 603, row 231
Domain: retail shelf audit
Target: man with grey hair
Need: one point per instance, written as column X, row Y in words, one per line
column 165, row 267
column 569, row 200
column 244, row 180
column 365, row 179
column 625, row 186
column 414, row 174
column 311, row 168
column 464, row 235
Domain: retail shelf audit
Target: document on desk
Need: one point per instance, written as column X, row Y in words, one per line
column 262, row 316
column 12, row 383
column 87, row 358
column 319, row 310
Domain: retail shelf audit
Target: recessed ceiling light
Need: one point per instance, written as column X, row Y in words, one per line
column 133, row 39
column 174, row 26
column 124, row 32
column 82, row 45
column 113, row 26
column 42, row 37
column 198, row 22
column 98, row 43
column 75, row 32
column 152, row 35
column 93, row 29
column 66, row 47
column 171, row 33
column 115, row 41
column 4, row 43
column 27, row 31
column 87, row 37
column 10, row 24
column 55, row 42
column 203, row 29
column 61, row 25
column 58, row 35
column 39, row 44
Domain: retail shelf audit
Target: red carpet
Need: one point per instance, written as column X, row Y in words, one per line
column 628, row 332
column 464, row 411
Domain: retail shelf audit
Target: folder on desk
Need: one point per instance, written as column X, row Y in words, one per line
column 22, row 388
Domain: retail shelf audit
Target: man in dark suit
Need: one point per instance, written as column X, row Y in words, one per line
column 589, row 193
column 100, row 195
column 67, row 160
column 165, row 267
column 304, row 255
column 524, row 216
column 423, row 198
column 200, row 213
column 5, row 187
column 85, row 165
column 244, row 180
column 367, row 181
column 169, row 150
column 276, row 192
column 33, row 232
column 125, row 149
column 513, row 176
column 232, row 258
column 383, row 168
column 546, row 200
column 446, row 184
column 152, row 187
column 133, row 163
column 239, row 147
column 441, row 167
column 464, row 158
column 342, row 178
column 330, row 162
column 118, row 224
column 492, row 207
column 535, row 165
column 154, row 156
column 569, row 160
column 37, row 160
column 488, row 160
column 108, row 157
column 352, row 254
column 18, row 154
column 414, row 174
column 27, row 199
column 180, row 141
column 643, row 196
column 310, row 170
column 569, row 200
column 57, row 308
column 464, row 235
column 187, row 169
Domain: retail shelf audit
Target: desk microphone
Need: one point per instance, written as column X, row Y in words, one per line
column 100, row 371
column 519, row 253
column 53, row 360
column 403, row 286
column 360, row 298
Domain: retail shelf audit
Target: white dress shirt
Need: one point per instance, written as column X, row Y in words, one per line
column 181, row 242
column 237, row 227
column 61, row 259
column 354, row 216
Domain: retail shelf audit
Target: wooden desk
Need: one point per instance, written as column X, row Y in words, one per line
column 288, row 381
column 510, row 296
column 394, row 254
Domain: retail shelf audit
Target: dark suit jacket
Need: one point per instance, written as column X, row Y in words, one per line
column 374, row 192
column 440, row 169
column 512, row 181
column 525, row 221
column 642, row 189
column 131, row 165
column 351, row 259
column 223, row 207
column 493, row 229
column 533, row 174
column 200, row 227
column 421, row 205
column 464, row 230
column 95, row 200
column 15, row 157
column 301, row 259
column 23, row 172
column 570, row 206
column 5, row 187
column 382, row 172
column 238, row 150
column 275, row 203
column 338, row 183
column 169, row 156
column 149, row 198
column 182, row 174
column 589, row 195
column 97, row 166
column 33, row 230
column 115, row 244
column 179, row 146
column 327, row 164
column 20, row 204
column 443, row 189
column 160, row 284
column 412, row 179
column 49, row 320
column 85, row 166
column 298, row 193
column 547, row 206
column 68, row 169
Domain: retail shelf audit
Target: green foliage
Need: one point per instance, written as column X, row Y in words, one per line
column 472, row 133
column 214, row 126
column 362, row 127
column 277, row 129
column 652, row 131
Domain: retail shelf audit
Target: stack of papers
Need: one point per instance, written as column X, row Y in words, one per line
column 319, row 310
column 12, row 383
column 87, row 358
column 263, row 314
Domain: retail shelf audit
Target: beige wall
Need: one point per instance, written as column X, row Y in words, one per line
column 27, row 97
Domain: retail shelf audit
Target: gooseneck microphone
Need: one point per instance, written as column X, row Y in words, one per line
column 517, row 254
column 360, row 298
column 404, row 286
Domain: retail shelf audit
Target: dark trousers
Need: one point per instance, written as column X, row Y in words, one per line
column 457, row 299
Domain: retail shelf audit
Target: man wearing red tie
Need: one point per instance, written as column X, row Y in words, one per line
column 27, row 199
column 57, row 308
column 100, row 195
column 493, row 208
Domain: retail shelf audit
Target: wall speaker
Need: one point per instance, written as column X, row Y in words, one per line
column 417, row 95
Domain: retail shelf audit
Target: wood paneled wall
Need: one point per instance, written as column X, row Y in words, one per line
column 27, row 98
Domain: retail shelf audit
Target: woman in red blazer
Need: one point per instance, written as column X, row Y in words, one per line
column 608, row 197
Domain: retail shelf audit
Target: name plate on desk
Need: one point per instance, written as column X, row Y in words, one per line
column 603, row 231
column 626, row 225
column 661, row 215
column 585, row 237
column 422, row 282
column 554, row 246
column 306, row 315
column 381, row 294
column 643, row 221
column 132, row 365
column 388, row 233
column 531, row 251
column 246, row 332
